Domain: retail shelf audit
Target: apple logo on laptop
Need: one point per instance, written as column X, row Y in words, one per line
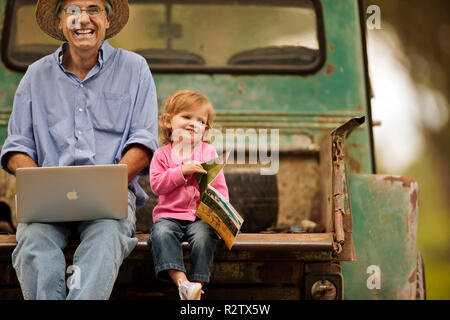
column 72, row 195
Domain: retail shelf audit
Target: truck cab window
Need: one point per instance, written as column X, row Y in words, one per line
column 194, row 36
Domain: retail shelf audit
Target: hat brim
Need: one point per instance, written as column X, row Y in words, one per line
column 48, row 21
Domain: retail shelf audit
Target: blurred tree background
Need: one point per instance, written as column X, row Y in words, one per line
column 422, row 30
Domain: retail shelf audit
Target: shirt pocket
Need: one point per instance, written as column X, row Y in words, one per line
column 61, row 135
column 109, row 112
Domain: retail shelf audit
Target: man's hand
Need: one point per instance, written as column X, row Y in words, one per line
column 191, row 167
column 16, row 160
column 136, row 158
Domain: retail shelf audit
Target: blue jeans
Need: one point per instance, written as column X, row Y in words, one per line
column 41, row 267
column 165, row 239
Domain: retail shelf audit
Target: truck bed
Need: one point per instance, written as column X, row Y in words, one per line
column 259, row 266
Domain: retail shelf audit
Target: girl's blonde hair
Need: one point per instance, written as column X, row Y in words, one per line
column 176, row 103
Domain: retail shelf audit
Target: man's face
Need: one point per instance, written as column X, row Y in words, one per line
column 82, row 30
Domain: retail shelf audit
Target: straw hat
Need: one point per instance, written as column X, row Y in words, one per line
column 48, row 21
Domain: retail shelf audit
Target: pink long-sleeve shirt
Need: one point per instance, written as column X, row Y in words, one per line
column 179, row 196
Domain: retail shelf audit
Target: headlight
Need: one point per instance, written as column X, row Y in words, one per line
column 323, row 290
column 322, row 286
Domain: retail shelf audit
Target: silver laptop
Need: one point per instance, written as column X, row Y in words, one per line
column 75, row 193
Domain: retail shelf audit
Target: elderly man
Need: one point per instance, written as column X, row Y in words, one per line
column 86, row 104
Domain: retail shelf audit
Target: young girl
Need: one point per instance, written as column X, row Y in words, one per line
column 186, row 116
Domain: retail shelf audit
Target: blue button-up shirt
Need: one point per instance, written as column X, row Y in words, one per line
column 59, row 120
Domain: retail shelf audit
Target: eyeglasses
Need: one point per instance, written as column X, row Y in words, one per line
column 74, row 10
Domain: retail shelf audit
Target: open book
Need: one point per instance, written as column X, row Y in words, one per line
column 214, row 209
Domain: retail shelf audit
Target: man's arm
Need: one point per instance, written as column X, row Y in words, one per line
column 16, row 160
column 19, row 149
column 137, row 157
column 143, row 133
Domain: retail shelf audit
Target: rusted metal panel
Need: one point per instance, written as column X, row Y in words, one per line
column 338, row 201
column 251, row 292
column 335, row 215
column 385, row 212
column 302, row 247
column 288, row 242
column 342, row 214
column 224, row 272
column 275, row 256
column 275, row 245
column 320, row 267
column 269, row 272
column 212, row 292
column 298, row 188
column 326, row 183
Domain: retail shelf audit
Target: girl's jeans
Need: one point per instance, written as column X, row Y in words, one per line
column 166, row 237
column 41, row 267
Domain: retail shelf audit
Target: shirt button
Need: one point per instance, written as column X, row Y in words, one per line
column 80, row 151
column 79, row 132
column 82, row 85
column 80, row 109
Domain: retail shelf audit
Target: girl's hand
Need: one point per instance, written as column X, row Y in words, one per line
column 192, row 167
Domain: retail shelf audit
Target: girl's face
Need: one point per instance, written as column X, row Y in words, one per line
column 189, row 125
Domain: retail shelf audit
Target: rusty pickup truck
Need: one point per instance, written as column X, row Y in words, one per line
column 322, row 224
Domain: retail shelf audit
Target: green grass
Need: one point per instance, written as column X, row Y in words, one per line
column 437, row 278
